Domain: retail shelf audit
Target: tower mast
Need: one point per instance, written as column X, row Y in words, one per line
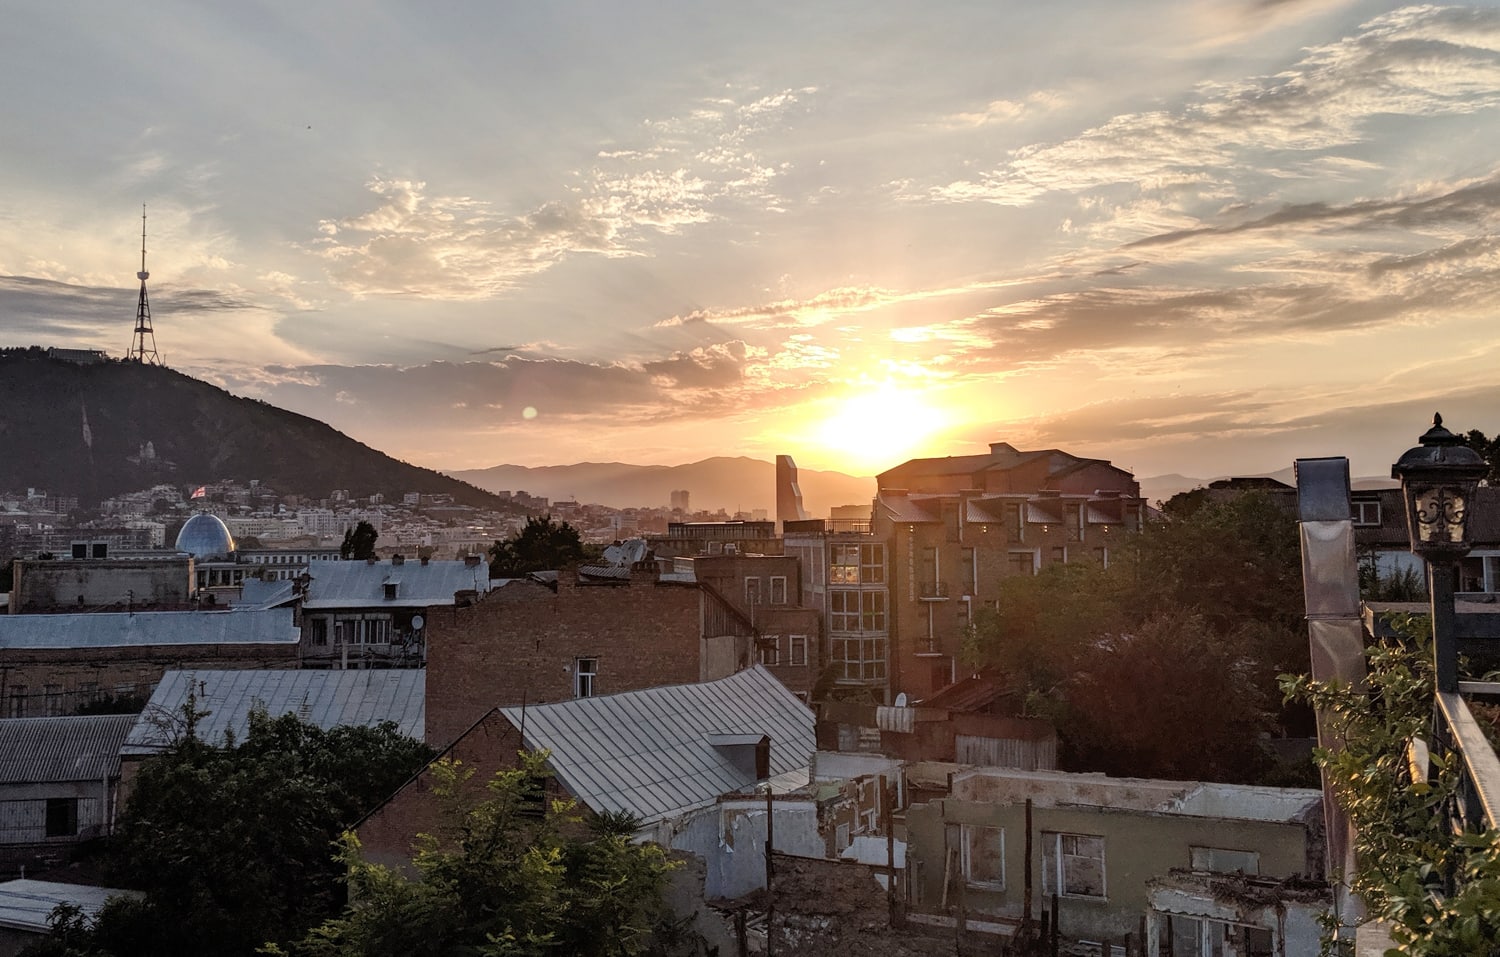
column 143, row 343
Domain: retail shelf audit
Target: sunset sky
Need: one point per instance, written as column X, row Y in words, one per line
column 1197, row 237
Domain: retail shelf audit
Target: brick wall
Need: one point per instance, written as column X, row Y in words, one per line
column 522, row 643
column 39, row 682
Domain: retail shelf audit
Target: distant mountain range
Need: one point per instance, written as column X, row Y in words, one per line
column 1159, row 488
column 733, row 484
column 96, row 430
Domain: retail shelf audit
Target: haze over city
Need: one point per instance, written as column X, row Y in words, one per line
column 1196, row 237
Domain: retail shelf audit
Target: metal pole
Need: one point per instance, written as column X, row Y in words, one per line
column 1444, row 648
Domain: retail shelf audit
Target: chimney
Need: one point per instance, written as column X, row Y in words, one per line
column 471, row 561
column 398, row 559
column 425, row 559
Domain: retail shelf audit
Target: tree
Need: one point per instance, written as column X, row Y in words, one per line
column 499, row 880
column 359, row 542
column 1186, row 632
column 234, row 846
column 543, row 545
column 1488, row 448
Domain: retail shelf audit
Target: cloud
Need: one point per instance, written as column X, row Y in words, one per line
column 419, row 244
column 1001, row 112
column 1413, row 62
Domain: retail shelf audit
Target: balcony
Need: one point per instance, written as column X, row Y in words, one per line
column 932, row 591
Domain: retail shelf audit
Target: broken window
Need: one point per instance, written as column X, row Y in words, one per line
column 981, row 854
column 1072, row 864
column 62, row 817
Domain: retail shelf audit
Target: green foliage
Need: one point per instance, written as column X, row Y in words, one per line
column 1438, row 891
column 1488, row 448
column 497, row 880
column 1165, row 663
column 234, row 846
column 543, row 545
column 359, row 542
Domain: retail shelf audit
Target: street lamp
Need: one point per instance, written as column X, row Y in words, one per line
column 1438, row 479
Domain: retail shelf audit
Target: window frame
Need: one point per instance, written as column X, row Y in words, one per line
column 1056, row 857
column 968, row 836
column 585, row 674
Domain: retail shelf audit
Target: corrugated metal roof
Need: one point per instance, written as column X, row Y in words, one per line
column 26, row 904
column 127, row 630
column 323, row 698
column 649, row 752
column 362, row 585
column 908, row 508
column 49, row 750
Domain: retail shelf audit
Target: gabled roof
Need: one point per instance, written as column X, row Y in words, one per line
column 651, row 753
column 326, row 699
column 362, row 584
column 50, row 750
column 142, row 629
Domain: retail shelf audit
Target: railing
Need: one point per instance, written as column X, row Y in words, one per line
column 1455, row 730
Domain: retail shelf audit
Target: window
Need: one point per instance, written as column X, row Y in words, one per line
column 62, row 817
column 843, row 566
column 17, row 707
column 841, row 837
column 778, row 590
column 769, row 649
column 585, row 670
column 317, row 629
column 981, row 854
column 1224, row 861
column 1365, row 511
column 1022, row 563
column 872, row 564
column 856, row 611
column 1203, row 937
column 1073, row 522
column 1059, row 554
column 752, row 591
column 968, row 570
column 1072, row 864
column 53, row 702
column 797, row 650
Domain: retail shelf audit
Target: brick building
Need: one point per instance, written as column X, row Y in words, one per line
column 52, row 664
column 759, row 598
column 526, row 642
column 953, row 527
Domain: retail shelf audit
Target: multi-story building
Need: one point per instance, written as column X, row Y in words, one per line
column 844, row 576
column 953, row 527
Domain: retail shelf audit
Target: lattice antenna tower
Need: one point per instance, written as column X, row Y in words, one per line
column 143, row 344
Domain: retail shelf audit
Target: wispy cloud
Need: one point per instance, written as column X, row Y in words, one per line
column 419, row 244
column 1418, row 61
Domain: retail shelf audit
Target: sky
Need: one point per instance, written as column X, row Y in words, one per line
column 1205, row 237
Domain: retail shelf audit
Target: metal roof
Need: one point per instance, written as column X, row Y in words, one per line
column 138, row 629
column 362, row 584
column 26, row 904
column 323, row 698
column 650, row 752
column 50, row 750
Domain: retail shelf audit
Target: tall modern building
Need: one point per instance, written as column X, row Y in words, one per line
column 844, row 575
column 679, row 499
column 788, row 493
column 952, row 528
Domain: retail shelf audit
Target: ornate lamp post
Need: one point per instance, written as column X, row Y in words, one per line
column 1438, row 479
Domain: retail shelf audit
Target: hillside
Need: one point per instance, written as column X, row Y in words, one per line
column 732, row 484
column 81, row 430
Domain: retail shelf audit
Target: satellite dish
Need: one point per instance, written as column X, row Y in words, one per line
column 417, row 622
column 901, row 700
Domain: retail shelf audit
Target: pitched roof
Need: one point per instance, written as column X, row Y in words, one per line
column 651, row 752
column 362, row 584
column 76, row 748
column 26, row 904
column 140, row 629
column 326, row 699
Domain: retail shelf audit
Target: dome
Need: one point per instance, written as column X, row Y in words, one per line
column 206, row 538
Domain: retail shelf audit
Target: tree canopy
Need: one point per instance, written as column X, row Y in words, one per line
column 359, row 542
column 1165, row 663
column 543, row 545
column 499, row 879
column 234, row 846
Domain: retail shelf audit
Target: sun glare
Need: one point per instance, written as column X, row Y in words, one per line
column 874, row 429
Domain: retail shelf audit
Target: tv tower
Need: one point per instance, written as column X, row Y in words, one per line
column 140, row 351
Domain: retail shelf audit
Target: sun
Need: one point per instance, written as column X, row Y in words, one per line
column 874, row 428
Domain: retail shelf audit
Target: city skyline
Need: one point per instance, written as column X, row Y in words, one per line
column 1201, row 238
